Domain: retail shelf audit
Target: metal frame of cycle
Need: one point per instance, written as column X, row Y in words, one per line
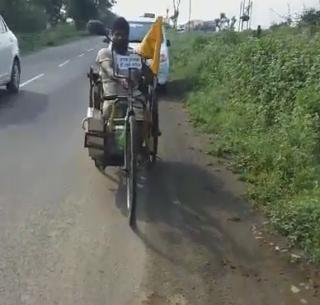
column 130, row 127
column 130, row 143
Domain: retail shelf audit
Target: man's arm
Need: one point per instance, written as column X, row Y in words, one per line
column 104, row 60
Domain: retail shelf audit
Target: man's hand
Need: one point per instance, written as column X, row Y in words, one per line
column 124, row 83
column 147, row 74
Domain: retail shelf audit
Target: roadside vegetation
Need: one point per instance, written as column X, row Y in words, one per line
column 29, row 42
column 41, row 23
column 258, row 95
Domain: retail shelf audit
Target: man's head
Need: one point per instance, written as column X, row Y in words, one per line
column 120, row 35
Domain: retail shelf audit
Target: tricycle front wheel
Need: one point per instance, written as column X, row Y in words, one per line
column 131, row 167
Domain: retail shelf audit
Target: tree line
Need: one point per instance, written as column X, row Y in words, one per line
column 37, row 15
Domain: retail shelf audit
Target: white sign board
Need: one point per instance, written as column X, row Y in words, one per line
column 132, row 61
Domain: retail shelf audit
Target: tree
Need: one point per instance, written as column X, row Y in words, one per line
column 34, row 15
column 104, row 13
column 310, row 17
column 224, row 23
column 233, row 23
column 84, row 10
column 104, row 5
column 23, row 16
column 218, row 23
column 107, row 18
column 52, row 9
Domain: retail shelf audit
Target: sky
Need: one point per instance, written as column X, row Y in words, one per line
column 210, row 9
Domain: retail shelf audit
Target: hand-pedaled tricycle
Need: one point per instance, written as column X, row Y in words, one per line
column 116, row 142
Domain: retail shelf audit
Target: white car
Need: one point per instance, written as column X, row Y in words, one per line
column 10, row 68
column 139, row 27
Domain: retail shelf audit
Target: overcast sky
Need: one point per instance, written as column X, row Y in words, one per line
column 210, row 9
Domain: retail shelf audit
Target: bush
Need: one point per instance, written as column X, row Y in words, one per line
column 25, row 19
column 32, row 41
column 260, row 97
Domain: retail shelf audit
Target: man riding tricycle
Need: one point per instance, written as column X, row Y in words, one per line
column 122, row 123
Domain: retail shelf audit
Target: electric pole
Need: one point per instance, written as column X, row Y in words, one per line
column 190, row 11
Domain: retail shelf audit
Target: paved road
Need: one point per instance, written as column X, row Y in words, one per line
column 64, row 239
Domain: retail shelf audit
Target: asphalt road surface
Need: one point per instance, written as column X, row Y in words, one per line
column 64, row 236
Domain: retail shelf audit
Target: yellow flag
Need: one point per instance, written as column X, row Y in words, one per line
column 151, row 45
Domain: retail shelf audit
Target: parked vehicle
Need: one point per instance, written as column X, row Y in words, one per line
column 10, row 64
column 139, row 27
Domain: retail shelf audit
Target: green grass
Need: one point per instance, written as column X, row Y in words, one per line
column 30, row 42
column 261, row 100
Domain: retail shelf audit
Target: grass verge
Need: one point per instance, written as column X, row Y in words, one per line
column 30, row 42
column 260, row 99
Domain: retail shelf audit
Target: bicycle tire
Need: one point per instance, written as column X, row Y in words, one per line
column 131, row 164
column 155, row 128
column 97, row 96
column 91, row 89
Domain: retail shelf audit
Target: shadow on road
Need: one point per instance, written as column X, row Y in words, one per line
column 22, row 108
column 176, row 90
column 121, row 194
column 184, row 203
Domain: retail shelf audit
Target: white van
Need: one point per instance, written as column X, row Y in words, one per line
column 10, row 69
column 139, row 27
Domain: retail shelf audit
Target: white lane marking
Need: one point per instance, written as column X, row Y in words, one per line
column 31, row 80
column 90, row 50
column 80, row 55
column 3, row 75
column 64, row 63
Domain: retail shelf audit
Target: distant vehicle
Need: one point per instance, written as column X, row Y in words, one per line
column 96, row 27
column 139, row 27
column 10, row 64
column 149, row 15
column 181, row 29
column 70, row 21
